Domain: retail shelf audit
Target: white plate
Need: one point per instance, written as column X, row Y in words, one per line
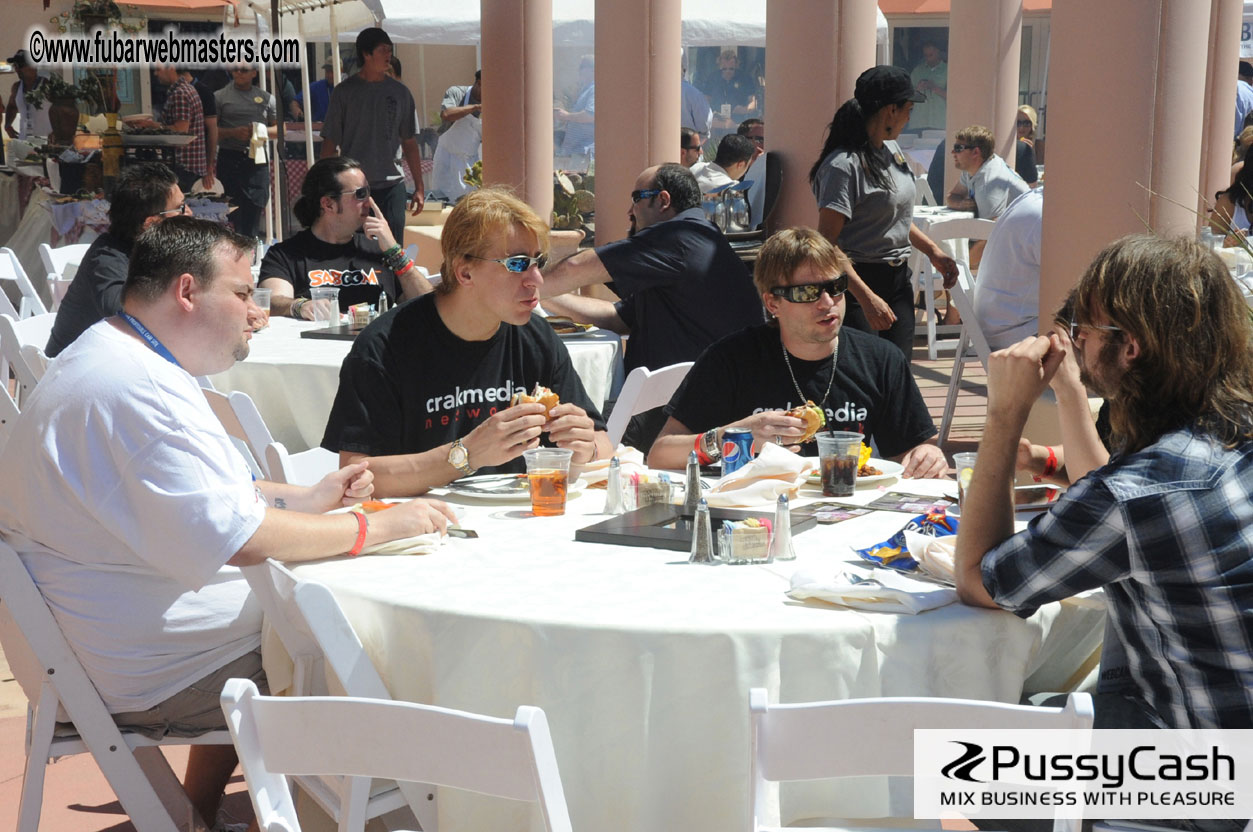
column 891, row 470
column 503, row 488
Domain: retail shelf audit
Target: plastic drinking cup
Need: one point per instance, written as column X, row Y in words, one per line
column 325, row 302
column 964, row 463
column 838, row 453
column 547, row 471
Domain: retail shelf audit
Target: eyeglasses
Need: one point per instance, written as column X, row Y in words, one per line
column 1075, row 327
column 810, row 292
column 636, row 196
column 958, row 148
column 174, row 212
column 682, row 147
column 1023, row 122
column 516, row 263
column 360, row 194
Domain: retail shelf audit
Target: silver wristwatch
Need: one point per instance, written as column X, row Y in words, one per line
column 459, row 458
column 709, row 444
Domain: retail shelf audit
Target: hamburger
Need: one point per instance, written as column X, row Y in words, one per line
column 540, row 394
column 813, row 417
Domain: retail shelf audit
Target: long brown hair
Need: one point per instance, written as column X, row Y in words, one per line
column 1175, row 298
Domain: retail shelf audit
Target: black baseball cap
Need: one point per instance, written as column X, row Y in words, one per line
column 20, row 59
column 880, row 86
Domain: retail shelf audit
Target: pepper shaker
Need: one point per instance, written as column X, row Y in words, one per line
column 702, row 536
column 691, row 488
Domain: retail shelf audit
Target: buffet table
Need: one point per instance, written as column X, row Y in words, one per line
column 643, row 662
column 293, row 380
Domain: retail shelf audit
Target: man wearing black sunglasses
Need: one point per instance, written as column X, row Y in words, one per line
column 987, row 183
column 682, row 285
column 752, row 378
column 425, row 392
column 346, row 243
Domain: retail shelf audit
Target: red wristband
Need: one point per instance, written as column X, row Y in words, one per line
column 363, row 526
column 1050, row 465
column 702, row 457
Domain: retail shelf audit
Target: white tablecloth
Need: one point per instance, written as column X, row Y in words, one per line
column 293, row 380
column 643, row 662
column 927, row 215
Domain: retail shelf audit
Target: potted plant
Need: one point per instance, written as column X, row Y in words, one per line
column 89, row 14
column 60, row 98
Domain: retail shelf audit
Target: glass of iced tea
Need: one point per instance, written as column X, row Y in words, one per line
column 964, row 465
column 547, row 471
column 838, row 454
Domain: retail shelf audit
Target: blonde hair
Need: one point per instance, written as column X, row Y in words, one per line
column 1032, row 116
column 787, row 250
column 479, row 218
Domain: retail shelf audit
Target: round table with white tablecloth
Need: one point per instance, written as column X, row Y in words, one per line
column 643, row 662
column 293, row 379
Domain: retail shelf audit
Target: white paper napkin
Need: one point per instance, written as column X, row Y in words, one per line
column 596, row 472
column 879, row 590
column 775, row 471
column 422, row 544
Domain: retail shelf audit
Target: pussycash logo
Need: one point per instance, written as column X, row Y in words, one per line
column 1144, row 763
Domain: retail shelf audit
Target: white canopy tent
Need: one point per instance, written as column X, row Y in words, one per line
column 705, row 22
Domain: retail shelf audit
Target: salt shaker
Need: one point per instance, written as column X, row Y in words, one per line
column 691, row 488
column 613, row 489
column 781, row 538
column 702, row 536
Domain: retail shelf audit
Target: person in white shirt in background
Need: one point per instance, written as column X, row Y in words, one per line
column 735, row 153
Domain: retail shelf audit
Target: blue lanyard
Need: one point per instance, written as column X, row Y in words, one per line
column 157, row 347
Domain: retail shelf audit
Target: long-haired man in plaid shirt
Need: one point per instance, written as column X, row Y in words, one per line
column 1166, row 525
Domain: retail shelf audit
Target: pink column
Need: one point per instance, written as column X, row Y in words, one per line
column 638, row 51
column 804, row 94
column 984, row 52
column 1126, row 101
column 517, row 38
column 1220, row 94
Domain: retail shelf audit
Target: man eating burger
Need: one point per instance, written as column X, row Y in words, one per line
column 462, row 381
column 778, row 378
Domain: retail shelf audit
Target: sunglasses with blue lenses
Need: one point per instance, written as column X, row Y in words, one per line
column 636, row 196
column 516, row 263
column 810, row 292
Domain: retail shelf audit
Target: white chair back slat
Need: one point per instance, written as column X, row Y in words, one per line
column 403, row 741
column 643, row 390
column 970, row 338
column 811, row 740
column 11, row 269
column 22, row 345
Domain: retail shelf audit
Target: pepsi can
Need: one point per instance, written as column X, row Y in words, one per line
column 737, row 449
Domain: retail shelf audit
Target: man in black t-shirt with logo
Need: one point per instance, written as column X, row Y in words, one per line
column 425, row 392
column 751, row 378
column 346, row 243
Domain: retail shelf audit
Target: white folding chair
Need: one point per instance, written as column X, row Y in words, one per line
column 8, row 414
column 22, row 345
column 11, row 269
column 59, row 691
column 643, row 390
column 61, row 264
column 316, row 635
column 922, row 193
column 280, row 735
column 812, row 740
column 927, row 281
column 239, row 415
column 971, row 338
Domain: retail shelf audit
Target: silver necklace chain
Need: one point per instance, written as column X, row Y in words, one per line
column 830, row 381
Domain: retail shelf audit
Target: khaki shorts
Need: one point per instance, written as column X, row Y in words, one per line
column 197, row 709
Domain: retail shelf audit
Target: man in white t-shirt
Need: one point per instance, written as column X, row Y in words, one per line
column 987, row 184
column 133, row 508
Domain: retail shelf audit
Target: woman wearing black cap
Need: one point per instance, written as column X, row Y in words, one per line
column 865, row 193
